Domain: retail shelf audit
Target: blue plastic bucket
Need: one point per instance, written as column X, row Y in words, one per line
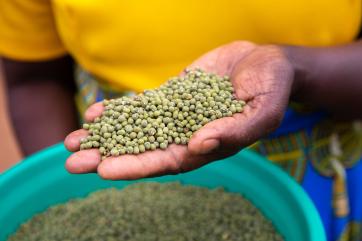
column 41, row 181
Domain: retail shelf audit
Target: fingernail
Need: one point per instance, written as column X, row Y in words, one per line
column 209, row 145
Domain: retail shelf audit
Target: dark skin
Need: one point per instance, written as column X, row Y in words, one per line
column 329, row 78
column 41, row 99
column 267, row 77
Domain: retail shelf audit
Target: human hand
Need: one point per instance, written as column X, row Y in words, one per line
column 261, row 75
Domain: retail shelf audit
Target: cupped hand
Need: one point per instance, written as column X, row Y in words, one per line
column 261, row 75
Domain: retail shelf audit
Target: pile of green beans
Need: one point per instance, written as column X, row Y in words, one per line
column 151, row 212
column 156, row 118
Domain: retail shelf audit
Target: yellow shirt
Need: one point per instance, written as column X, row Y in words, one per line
column 137, row 44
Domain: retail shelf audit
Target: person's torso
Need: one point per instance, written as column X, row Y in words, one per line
column 139, row 44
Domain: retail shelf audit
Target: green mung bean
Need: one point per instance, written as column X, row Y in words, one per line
column 151, row 212
column 171, row 113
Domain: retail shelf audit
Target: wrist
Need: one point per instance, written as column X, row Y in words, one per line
column 302, row 60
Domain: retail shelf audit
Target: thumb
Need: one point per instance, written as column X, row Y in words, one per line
column 235, row 132
column 227, row 131
column 205, row 141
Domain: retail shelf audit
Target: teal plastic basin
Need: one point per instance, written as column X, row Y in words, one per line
column 41, row 181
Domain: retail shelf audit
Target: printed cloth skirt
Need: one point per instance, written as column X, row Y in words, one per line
column 322, row 155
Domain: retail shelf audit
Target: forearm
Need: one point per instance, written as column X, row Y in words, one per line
column 329, row 78
column 41, row 102
column 9, row 151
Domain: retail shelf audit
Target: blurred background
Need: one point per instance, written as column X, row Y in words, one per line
column 9, row 150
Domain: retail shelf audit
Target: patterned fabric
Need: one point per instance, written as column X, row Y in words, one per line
column 292, row 150
column 91, row 90
column 324, row 157
column 350, row 140
column 325, row 160
column 353, row 231
column 287, row 151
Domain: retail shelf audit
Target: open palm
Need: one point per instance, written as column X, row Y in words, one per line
column 261, row 75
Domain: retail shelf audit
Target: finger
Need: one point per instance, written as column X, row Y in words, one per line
column 222, row 60
column 84, row 161
column 72, row 141
column 206, row 62
column 175, row 159
column 238, row 131
column 128, row 167
column 93, row 111
column 209, row 137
